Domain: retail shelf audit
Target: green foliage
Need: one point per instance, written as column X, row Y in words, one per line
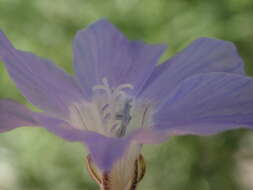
column 37, row 160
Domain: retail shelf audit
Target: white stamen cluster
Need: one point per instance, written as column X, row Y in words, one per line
column 110, row 112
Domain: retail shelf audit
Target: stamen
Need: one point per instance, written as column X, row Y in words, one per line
column 107, row 116
column 104, row 107
column 106, row 112
column 123, row 86
column 110, row 91
column 114, row 126
column 121, row 131
column 105, row 86
column 102, row 87
column 125, row 117
column 105, row 82
column 110, row 110
column 119, row 90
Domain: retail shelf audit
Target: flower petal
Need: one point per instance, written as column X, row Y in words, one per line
column 14, row 115
column 208, row 103
column 104, row 151
column 149, row 136
column 101, row 51
column 201, row 56
column 44, row 85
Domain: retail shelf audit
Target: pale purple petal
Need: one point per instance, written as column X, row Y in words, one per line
column 40, row 81
column 149, row 136
column 206, row 104
column 201, row 56
column 14, row 115
column 104, row 151
column 101, row 51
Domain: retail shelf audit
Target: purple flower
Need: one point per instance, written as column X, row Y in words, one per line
column 120, row 98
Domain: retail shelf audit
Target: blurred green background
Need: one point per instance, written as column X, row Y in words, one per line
column 33, row 159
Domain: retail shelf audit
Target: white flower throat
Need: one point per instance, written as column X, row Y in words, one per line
column 111, row 111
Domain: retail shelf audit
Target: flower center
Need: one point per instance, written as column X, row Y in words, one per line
column 114, row 106
column 111, row 111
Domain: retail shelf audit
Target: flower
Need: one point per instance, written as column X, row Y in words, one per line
column 120, row 98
